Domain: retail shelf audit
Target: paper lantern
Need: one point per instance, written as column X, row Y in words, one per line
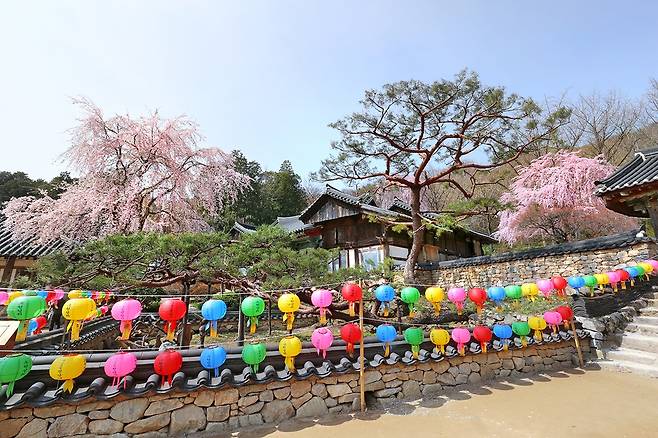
column 633, row 272
column 440, row 338
column 351, row 334
column 322, row 339
column 253, row 355
column 76, row 310
column 601, row 280
column 530, row 291
column 457, row 295
column 167, row 363
column 288, row 304
column 76, row 293
column 414, row 336
column 31, row 327
column 654, row 265
column 58, row 294
column 410, row 296
column 125, row 311
column 623, row 277
column 483, row 335
column 290, row 347
column 546, row 287
column 554, row 319
column 461, row 336
column 352, row 293
column 479, row 297
column 560, row 284
column 385, row 294
column 513, row 292
column 171, row 311
column 590, row 283
column 42, row 293
column 213, row 358
column 14, row 295
column 67, row 368
column 212, row 311
column 566, row 313
column 614, row 278
column 504, row 333
column 4, row 297
column 497, row 295
column 386, row 334
column 537, row 324
column 322, row 298
column 434, row 295
column 12, row 369
column 647, row 268
column 42, row 321
column 252, row 307
column 119, row 365
column 522, row 329
column 576, row 283
column 23, row 309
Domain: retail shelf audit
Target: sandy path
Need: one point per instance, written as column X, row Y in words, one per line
column 556, row 405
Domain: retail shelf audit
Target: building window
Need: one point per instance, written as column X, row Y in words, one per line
column 370, row 257
column 339, row 262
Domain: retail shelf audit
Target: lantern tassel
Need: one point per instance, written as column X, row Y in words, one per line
column 10, row 389
column 505, row 345
column 170, row 328
column 323, row 316
column 443, row 349
column 538, row 336
column 387, row 350
column 351, row 308
column 216, row 372
column 524, row 341
column 460, row 348
column 350, row 348
column 479, row 310
column 74, row 327
column 437, row 308
column 385, row 307
column 255, row 368
column 22, row 330
column 68, row 385
column 412, row 311
column 126, row 328
column 460, row 307
column 290, row 319
column 253, row 324
column 290, row 363
column 415, row 349
column 623, row 285
column 213, row 329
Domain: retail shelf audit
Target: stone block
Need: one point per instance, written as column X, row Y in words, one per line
column 281, row 393
column 429, row 377
column 266, row 396
column 34, row 429
column 95, row 406
column 252, row 409
column 297, row 402
column 98, row 415
column 162, row 406
column 416, row 375
column 446, row 379
column 53, row 411
column 129, row 410
column 105, row 427
column 277, row 411
column 148, row 424
column 431, row 390
column 11, row 427
column 330, row 402
column 393, row 384
column 218, row 413
column 187, row 419
column 72, row 424
column 226, row 396
column 411, row 389
column 299, row 388
column 372, row 376
column 204, row 399
column 338, row 390
column 348, row 398
column 315, row 407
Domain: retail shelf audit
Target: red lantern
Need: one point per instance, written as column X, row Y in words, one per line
column 560, row 284
column 624, row 276
column 350, row 333
column 566, row 313
column 482, row 334
column 167, row 363
column 171, row 310
column 352, row 293
column 41, row 323
column 478, row 296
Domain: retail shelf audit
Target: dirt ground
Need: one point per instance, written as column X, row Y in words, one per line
column 571, row 403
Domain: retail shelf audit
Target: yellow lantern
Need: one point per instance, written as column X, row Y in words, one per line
column 77, row 293
column 537, row 323
column 530, row 290
column 648, row 268
column 288, row 304
column 13, row 296
column 435, row 295
column 68, row 368
column 601, row 279
column 440, row 339
column 290, row 347
column 76, row 311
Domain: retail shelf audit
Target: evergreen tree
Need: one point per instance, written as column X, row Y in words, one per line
column 287, row 194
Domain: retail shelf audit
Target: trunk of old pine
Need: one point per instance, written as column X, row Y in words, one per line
column 418, row 238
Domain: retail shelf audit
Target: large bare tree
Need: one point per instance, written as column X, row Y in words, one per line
column 456, row 126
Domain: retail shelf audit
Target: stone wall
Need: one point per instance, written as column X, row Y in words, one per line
column 212, row 413
column 529, row 268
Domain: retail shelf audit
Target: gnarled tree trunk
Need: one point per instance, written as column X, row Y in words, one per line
column 418, row 237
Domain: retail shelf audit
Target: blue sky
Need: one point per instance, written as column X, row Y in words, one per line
column 268, row 76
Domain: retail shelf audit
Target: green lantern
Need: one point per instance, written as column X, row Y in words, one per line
column 13, row 368
column 23, row 309
column 590, row 282
column 252, row 307
column 414, row 336
column 513, row 292
column 522, row 329
column 253, row 354
column 410, row 296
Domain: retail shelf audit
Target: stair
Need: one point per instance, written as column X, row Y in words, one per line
column 636, row 348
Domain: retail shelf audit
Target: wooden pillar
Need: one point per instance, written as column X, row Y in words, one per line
column 9, row 266
column 240, row 323
column 652, row 208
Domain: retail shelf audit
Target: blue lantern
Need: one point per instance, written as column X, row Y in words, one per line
column 212, row 311
column 633, row 272
column 32, row 326
column 504, row 333
column 42, row 293
column 213, row 358
column 576, row 283
column 385, row 294
column 386, row 333
column 497, row 295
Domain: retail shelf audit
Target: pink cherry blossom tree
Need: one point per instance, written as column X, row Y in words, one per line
column 136, row 174
column 552, row 200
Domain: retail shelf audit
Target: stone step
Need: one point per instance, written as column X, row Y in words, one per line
column 638, row 341
column 634, row 356
column 647, row 320
column 629, row 367
column 649, row 311
column 652, row 302
column 647, row 329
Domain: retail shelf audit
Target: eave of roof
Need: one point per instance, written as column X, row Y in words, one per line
column 643, row 169
column 12, row 247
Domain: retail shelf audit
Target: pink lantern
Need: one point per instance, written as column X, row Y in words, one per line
column 614, row 277
column 4, row 296
column 554, row 319
column 103, row 309
column 125, row 311
column 546, row 287
column 457, row 295
column 120, row 365
column 322, row 299
column 461, row 336
column 58, row 295
column 654, row 265
column 322, row 338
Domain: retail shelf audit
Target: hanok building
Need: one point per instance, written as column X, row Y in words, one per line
column 17, row 255
column 362, row 231
column 632, row 189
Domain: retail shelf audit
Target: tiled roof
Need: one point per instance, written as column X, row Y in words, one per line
column 292, row 224
column 641, row 170
column 38, row 389
column 10, row 246
column 608, row 242
column 242, row 229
